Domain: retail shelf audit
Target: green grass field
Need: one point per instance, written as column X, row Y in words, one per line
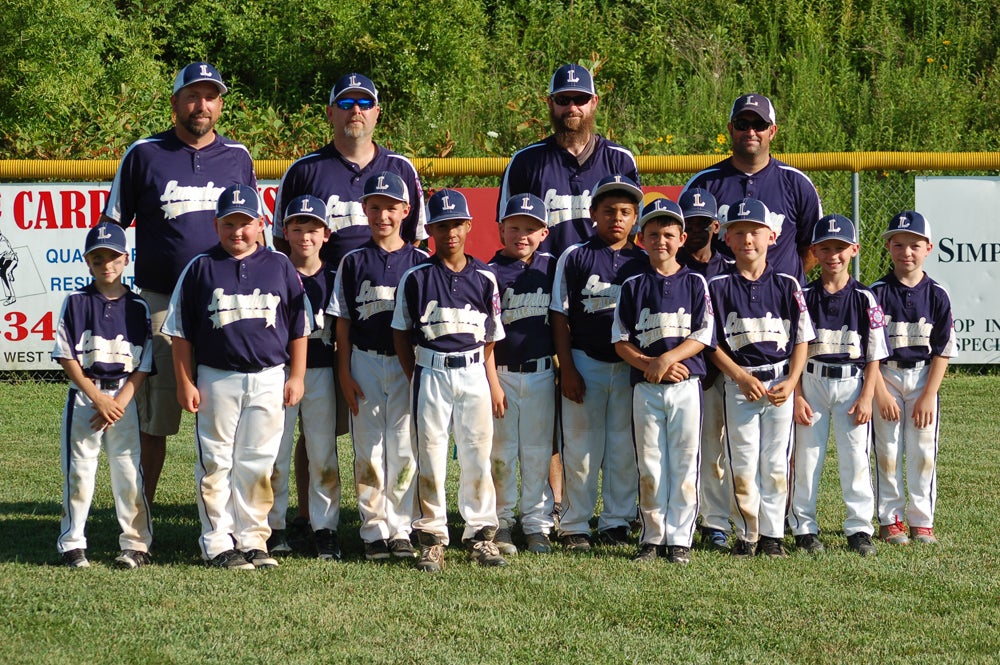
column 912, row 604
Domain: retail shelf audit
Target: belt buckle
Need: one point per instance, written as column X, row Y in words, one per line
column 455, row 362
column 108, row 384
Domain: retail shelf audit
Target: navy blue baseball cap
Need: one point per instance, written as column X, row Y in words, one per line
column 197, row 72
column 698, row 202
column 661, row 207
column 754, row 103
column 620, row 183
column 746, row 210
column 572, row 78
column 386, row 184
column 835, row 227
column 306, row 206
column 353, row 82
column 239, row 199
column 908, row 221
column 528, row 205
column 446, row 204
column 106, row 236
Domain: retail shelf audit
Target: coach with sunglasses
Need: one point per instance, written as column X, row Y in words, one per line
column 336, row 173
column 563, row 168
column 751, row 172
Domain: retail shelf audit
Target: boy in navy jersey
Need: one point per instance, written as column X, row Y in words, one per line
column 305, row 229
column 596, row 432
column 523, row 437
column 237, row 316
column 763, row 328
column 446, row 321
column 376, row 392
column 836, row 389
column 921, row 335
column 701, row 224
column 663, row 321
column 104, row 344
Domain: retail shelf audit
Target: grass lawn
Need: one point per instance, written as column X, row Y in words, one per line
column 907, row 604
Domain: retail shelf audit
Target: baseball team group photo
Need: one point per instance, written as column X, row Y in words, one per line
column 612, row 408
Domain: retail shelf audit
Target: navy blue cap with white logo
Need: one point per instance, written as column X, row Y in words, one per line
column 197, row 72
column 106, row 236
column 746, row 210
column 386, row 184
column 661, row 207
column 239, row 199
column 698, row 202
column 909, row 221
column 447, row 204
column 305, row 206
column 572, row 78
column 756, row 104
column 525, row 204
column 353, row 82
column 619, row 183
column 835, row 227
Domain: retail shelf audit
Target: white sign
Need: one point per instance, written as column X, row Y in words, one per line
column 42, row 232
column 962, row 212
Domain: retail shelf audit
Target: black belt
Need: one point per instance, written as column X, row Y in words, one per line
column 537, row 365
column 833, row 371
column 377, row 352
column 905, row 364
column 770, row 373
column 458, row 362
column 249, row 369
column 107, row 384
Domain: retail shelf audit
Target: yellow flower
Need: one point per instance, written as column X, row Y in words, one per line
column 670, row 138
column 946, row 42
column 720, row 139
column 659, row 139
column 930, row 60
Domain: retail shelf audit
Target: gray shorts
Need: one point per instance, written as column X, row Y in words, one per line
column 159, row 410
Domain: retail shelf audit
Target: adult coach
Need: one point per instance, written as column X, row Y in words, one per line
column 563, row 167
column 336, row 173
column 169, row 184
column 751, row 172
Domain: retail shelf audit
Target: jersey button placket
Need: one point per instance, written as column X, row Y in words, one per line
column 755, row 292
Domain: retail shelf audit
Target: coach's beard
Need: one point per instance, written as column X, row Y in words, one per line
column 574, row 127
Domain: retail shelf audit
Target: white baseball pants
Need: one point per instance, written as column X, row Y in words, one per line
column 716, row 487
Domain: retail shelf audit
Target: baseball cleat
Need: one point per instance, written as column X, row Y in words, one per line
column 260, row 559
column 485, row 553
column 894, row 534
column 647, row 553
column 230, row 560
column 861, row 543
column 715, row 539
column 809, row 542
column 402, row 548
column 129, row 559
column 377, row 551
column 771, row 547
column 615, row 536
column 576, row 542
column 538, row 543
column 678, row 554
column 327, row 545
column 75, row 559
column 504, row 542
column 743, row 548
column 923, row 535
column 278, row 542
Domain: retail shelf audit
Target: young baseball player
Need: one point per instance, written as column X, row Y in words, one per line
column 763, row 328
column 595, row 424
column 522, row 438
column 306, row 230
column 104, row 344
column 376, row 392
column 237, row 316
column 921, row 336
column 701, row 224
column 446, row 321
column 836, row 389
column 662, row 322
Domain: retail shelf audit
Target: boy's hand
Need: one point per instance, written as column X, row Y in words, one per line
column 499, row 400
column 923, row 410
column 295, row 388
column 780, row 392
column 677, row 372
column 573, row 385
column 862, row 411
column 188, row 397
column 350, row 391
column 107, row 412
column 657, row 368
column 751, row 387
column 887, row 406
column 803, row 413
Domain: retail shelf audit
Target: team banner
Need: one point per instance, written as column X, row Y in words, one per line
column 966, row 258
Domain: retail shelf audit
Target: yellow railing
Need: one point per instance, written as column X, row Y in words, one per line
column 272, row 169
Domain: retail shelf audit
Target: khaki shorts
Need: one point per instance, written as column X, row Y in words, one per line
column 159, row 410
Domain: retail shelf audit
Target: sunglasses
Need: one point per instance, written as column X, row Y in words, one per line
column 743, row 124
column 347, row 103
column 566, row 100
